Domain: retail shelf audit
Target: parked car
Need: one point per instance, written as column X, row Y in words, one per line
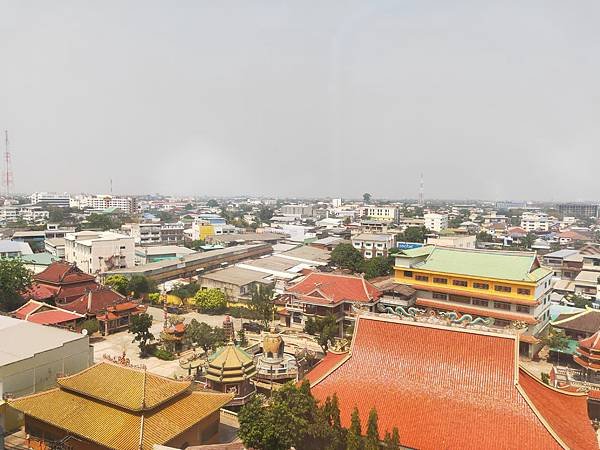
column 252, row 327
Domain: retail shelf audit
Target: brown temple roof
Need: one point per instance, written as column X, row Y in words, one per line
column 326, row 288
column 61, row 272
column 587, row 321
column 456, row 389
column 101, row 298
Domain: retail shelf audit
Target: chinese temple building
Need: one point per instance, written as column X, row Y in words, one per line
column 458, row 388
column 273, row 364
column 587, row 354
column 114, row 407
column 118, row 317
column 230, row 371
column 173, row 337
column 46, row 314
column 60, row 283
column 579, row 325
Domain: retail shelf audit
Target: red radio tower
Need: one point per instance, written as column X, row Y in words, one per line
column 7, row 177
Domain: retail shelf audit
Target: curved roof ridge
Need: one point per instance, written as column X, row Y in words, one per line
column 574, row 316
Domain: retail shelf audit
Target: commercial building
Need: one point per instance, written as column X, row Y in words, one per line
column 389, row 213
column 578, row 209
column 147, row 255
column 455, row 240
column 172, row 233
column 298, row 210
column 12, row 249
column 99, row 251
column 449, row 387
column 102, row 202
column 436, row 222
column 235, row 282
column 508, row 287
column 51, row 199
column 115, row 407
column 372, row 245
column 145, row 233
column 535, row 221
column 31, row 358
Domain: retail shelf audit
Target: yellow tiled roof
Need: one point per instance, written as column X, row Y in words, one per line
column 125, row 387
column 231, row 364
column 116, row 428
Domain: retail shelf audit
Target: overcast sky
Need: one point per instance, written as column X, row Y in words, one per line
column 490, row 100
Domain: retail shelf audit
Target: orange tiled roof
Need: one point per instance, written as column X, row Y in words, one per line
column 592, row 343
column 102, row 298
column 333, row 288
column 456, row 389
column 61, row 272
column 329, row 362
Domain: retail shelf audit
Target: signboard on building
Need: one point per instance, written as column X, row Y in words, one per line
column 408, row 245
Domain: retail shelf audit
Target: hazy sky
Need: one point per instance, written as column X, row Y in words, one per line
column 488, row 99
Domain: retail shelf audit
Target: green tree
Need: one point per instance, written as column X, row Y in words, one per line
column 372, row 436
column 392, row 441
column 579, row 301
column 264, row 214
column 528, row 240
column 195, row 244
column 139, row 285
column 15, row 279
column 119, row 283
column 325, row 329
column 366, row 197
column 261, row 303
column 378, row 267
column 201, row 334
column 212, row 203
column 414, row 234
column 91, row 326
column 333, row 423
column 483, row 236
column 347, row 257
column 102, row 222
column 354, row 437
column 556, row 339
column 241, row 337
column 140, row 328
column 210, row 300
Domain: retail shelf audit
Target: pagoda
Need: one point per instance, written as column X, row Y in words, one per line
column 587, row 354
column 230, row 371
column 273, row 364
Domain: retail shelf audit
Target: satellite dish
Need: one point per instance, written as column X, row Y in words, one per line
column 84, row 332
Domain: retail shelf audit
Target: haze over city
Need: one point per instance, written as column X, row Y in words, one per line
column 305, row 99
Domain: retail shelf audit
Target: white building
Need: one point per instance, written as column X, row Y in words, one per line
column 102, row 202
column 535, row 221
column 146, row 233
column 456, row 241
column 336, row 202
column 36, row 356
column 373, row 244
column 12, row 249
column 28, row 213
column 98, row 251
column 436, row 222
column 51, row 199
column 381, row 213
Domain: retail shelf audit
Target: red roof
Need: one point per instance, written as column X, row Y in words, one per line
column 102, row 297
column 40, row 292
column 591, row 343
column 45, row 314
column 27, row 308
column 327, row 288
column 565, row 412
column 446, row 388
column 61, row 272
column 325, row 366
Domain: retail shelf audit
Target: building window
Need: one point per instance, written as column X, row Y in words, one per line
column 440, row 296
column 462, row 283
column 440, row 280
column 523, row 291
column 408, row 273
column 523, row 309
column 460, row 299
column 480, row 302
column 368, row 254
column 499, row 288
column 501, row 322
column 502, row 305
column 421, row 278
column 379, row 254
column 481, row 286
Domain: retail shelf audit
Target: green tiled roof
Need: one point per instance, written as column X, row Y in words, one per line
column 416, row 252
column 514, row 266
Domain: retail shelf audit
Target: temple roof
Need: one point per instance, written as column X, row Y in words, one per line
column 332, row 288
column 111, row 422
column 61, row 272
column 458, row 388
column 45, row 314
column 587, row 321
column 101, row 298
column 592, row 343
column 230, row 364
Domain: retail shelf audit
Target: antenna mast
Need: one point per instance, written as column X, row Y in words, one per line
column 7, row 175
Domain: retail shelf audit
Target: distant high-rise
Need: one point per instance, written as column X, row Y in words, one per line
column 7, row 175
column 578, row 209
column 422, row 192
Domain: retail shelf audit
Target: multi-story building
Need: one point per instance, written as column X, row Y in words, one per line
column 51, row 199
column 436, row 222
column 535, row 221
column 28, row 213
column 508, row 287
column 146, row 233
column 578, row 209
column 455, row 240
column 298, row 210
column 373, row 244
column 98, row 251
column 172, row 233
column 101, row 202
column 384, row 212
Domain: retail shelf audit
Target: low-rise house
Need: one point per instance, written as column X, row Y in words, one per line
column 56, row 247
column 586, row 284
column 579, row 325
column 372, row 245
column 323, row 294
column 555, row 260
column 11, row 249
column 235, row 282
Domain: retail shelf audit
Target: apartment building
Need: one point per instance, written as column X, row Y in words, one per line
column 508, row 287
column 101, row 202
column 535, row 221
column 172, row 233
column 146, row 233
column 390, row 213
column 298, row 210
column 578, row 209
column 51, row 199
column 436, row 222
column 99, row 251
column 373, row 244
column 29, row 213
column 457, row 241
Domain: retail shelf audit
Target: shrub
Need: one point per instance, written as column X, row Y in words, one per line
column 91, row 326
column 210, row 301
column 163, row 354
